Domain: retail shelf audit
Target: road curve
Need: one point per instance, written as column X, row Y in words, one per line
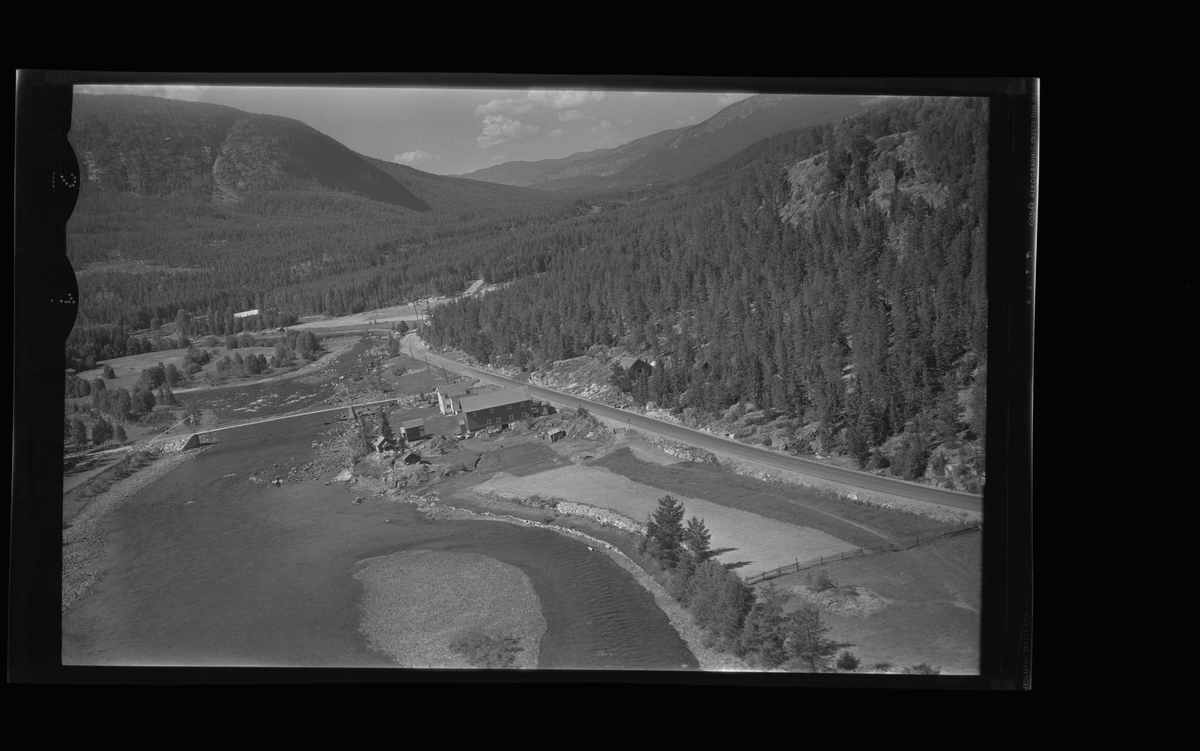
column 890, row 486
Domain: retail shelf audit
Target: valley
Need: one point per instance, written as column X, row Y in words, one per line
column 720, row 394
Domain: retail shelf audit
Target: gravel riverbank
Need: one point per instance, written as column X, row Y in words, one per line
column 415, row 604
column 83, row 540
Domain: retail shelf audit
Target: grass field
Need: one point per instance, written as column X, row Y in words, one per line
column 746, row 539
column 933, row 595
column 861, row 524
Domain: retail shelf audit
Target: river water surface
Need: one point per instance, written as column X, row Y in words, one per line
column 207, row 568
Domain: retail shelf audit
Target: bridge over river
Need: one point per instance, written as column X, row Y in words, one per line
column 173, row 439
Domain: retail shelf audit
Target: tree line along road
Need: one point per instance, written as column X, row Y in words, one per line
column 863, row 480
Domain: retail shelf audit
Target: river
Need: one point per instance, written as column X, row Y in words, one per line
column 206, row 568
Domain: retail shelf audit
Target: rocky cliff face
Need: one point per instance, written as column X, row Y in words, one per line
column 897, row 163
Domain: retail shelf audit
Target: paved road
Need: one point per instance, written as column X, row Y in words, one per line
column 711, row 442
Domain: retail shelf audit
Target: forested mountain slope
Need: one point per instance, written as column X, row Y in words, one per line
column 210, row 210
column 834, row 274
column 157, row 147
column 680, row 153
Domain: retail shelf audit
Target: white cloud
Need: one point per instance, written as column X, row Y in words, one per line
column 555, row 100
column 691, row 118
column 415, row 157
column 728, row 99
column 602, row 127
column 500, row 129
column 562, row 100
column 627, row 122
column 184, row 93
column 556, row 132
column 515, row 106
column 569, row 115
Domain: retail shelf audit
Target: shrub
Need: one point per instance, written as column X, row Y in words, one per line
column 823, row 581
column 487, row 651
column 720, row 601
column 847, row 662
column 923, row 669
column 882, row 666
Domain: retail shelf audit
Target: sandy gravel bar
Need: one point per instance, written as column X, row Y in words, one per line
column 84, row 539
column 416, row 602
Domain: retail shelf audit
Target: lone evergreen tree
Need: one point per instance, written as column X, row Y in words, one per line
column 385, row 428
column 108, row 372
column 665, row 529
column 806, row 642
column 119, row 434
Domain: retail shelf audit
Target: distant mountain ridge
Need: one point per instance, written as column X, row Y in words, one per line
column 679, row 153
column 521, row 173
column 212, row 153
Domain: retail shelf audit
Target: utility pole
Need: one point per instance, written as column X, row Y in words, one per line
column 445, row 376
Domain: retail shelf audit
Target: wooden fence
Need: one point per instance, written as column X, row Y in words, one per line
column 799, row 565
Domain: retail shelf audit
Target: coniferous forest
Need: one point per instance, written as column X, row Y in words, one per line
column 833, row 274
column 836, row 275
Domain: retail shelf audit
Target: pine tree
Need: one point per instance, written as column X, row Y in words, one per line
column 765, row 632
column 665, row 529
column 697, row 538
column 119, row 434
column 108, row 372
column 385, row 428
column 806, row 642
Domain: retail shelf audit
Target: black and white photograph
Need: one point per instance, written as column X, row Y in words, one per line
column 454, row 377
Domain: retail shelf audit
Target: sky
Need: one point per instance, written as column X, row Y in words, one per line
column 455, row 131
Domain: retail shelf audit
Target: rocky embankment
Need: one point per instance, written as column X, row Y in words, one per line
column 83, row 540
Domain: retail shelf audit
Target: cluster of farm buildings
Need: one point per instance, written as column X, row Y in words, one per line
column 494, row 410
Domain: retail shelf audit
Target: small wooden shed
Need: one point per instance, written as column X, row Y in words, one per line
column 383, row 443
column 413, row 430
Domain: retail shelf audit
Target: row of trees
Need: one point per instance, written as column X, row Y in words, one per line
column 102, row 432
column 88, row 345
column 735, row 619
